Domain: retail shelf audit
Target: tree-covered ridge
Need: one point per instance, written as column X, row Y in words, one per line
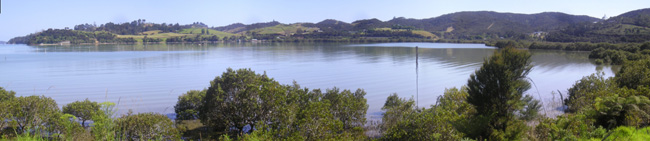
column 633, row 26
column 479, row 26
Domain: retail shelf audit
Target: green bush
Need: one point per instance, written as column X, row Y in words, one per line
column 585, row 91
column 401, row 121
column 568, row 127
column 6, row 95
column 239, row 99
column 634, row 74
column 187, row 107
column 103, row 127
column 32, row 114
column 5, row 98
column 614, row 111
column 146, row 126
column 84, row 110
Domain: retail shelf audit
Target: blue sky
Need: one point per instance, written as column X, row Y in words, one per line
column 21, row 17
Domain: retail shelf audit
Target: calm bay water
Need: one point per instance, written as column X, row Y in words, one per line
column 149, row 78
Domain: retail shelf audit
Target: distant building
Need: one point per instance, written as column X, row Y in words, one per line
column 64, row 43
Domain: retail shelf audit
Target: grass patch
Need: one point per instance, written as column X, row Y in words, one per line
column 195, row 31
column 418, row 32
column 152, row 32
column 283, row 29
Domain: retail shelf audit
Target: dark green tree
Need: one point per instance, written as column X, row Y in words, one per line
column 84, row 110
column 6, row 95
column 496, row 89
column 5, row 99
column 348, row 107
column 238, row 99
column 634, row 74
column 187, row 107
column 32, row 112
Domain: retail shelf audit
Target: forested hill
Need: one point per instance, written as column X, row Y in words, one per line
column 469, row 25
column 478, row 26
column 633, row 26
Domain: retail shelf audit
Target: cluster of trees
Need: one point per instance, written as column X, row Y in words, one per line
column 39, row 118
column 576, row 46
column 492, row 106
column 621, row 54
column 54, row 36
column 134, row 27
column 600, row 107
column 241, row 102
column 200, row 38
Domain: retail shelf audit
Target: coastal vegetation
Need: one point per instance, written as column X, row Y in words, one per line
column 246, row 105
column 543, row 30
column 243, row 104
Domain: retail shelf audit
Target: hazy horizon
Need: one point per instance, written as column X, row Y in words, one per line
column 21, row 18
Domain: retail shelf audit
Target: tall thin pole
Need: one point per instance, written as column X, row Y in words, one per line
column 417, row 90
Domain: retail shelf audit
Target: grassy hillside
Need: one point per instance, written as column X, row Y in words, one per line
column 160, row 35
column 210, row 31
column 283, row 29
column 418, row 32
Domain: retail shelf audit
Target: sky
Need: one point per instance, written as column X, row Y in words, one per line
column 22, row 17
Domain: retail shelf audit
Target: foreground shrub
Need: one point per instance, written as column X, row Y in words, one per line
column 583, row 93
column 634, row 74
column 146, row 126
column 626, row 133
column 402, row 121
column 614, row 111
column 239, row 99
column 240, row 102
column 568, row 127
column 84, row 110
column 32, row 114
column 187, row 107
column 6, row 95
column 103, row 127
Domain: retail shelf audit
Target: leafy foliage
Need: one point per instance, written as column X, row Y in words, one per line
column 237, row 99
column 634, row 74
column 187, row 107
column 6, row 95
column 242, row 101
column 402, row 121
column 103, row 127
column 496, row 90
column 585, row 91
column 32, row 114
column 616, row 111
column 84, row 110
column 568, row 127
column 146, row 126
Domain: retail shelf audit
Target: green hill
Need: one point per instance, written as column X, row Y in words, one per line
column 205, row 32
column 283, row 29
column 633, row 26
